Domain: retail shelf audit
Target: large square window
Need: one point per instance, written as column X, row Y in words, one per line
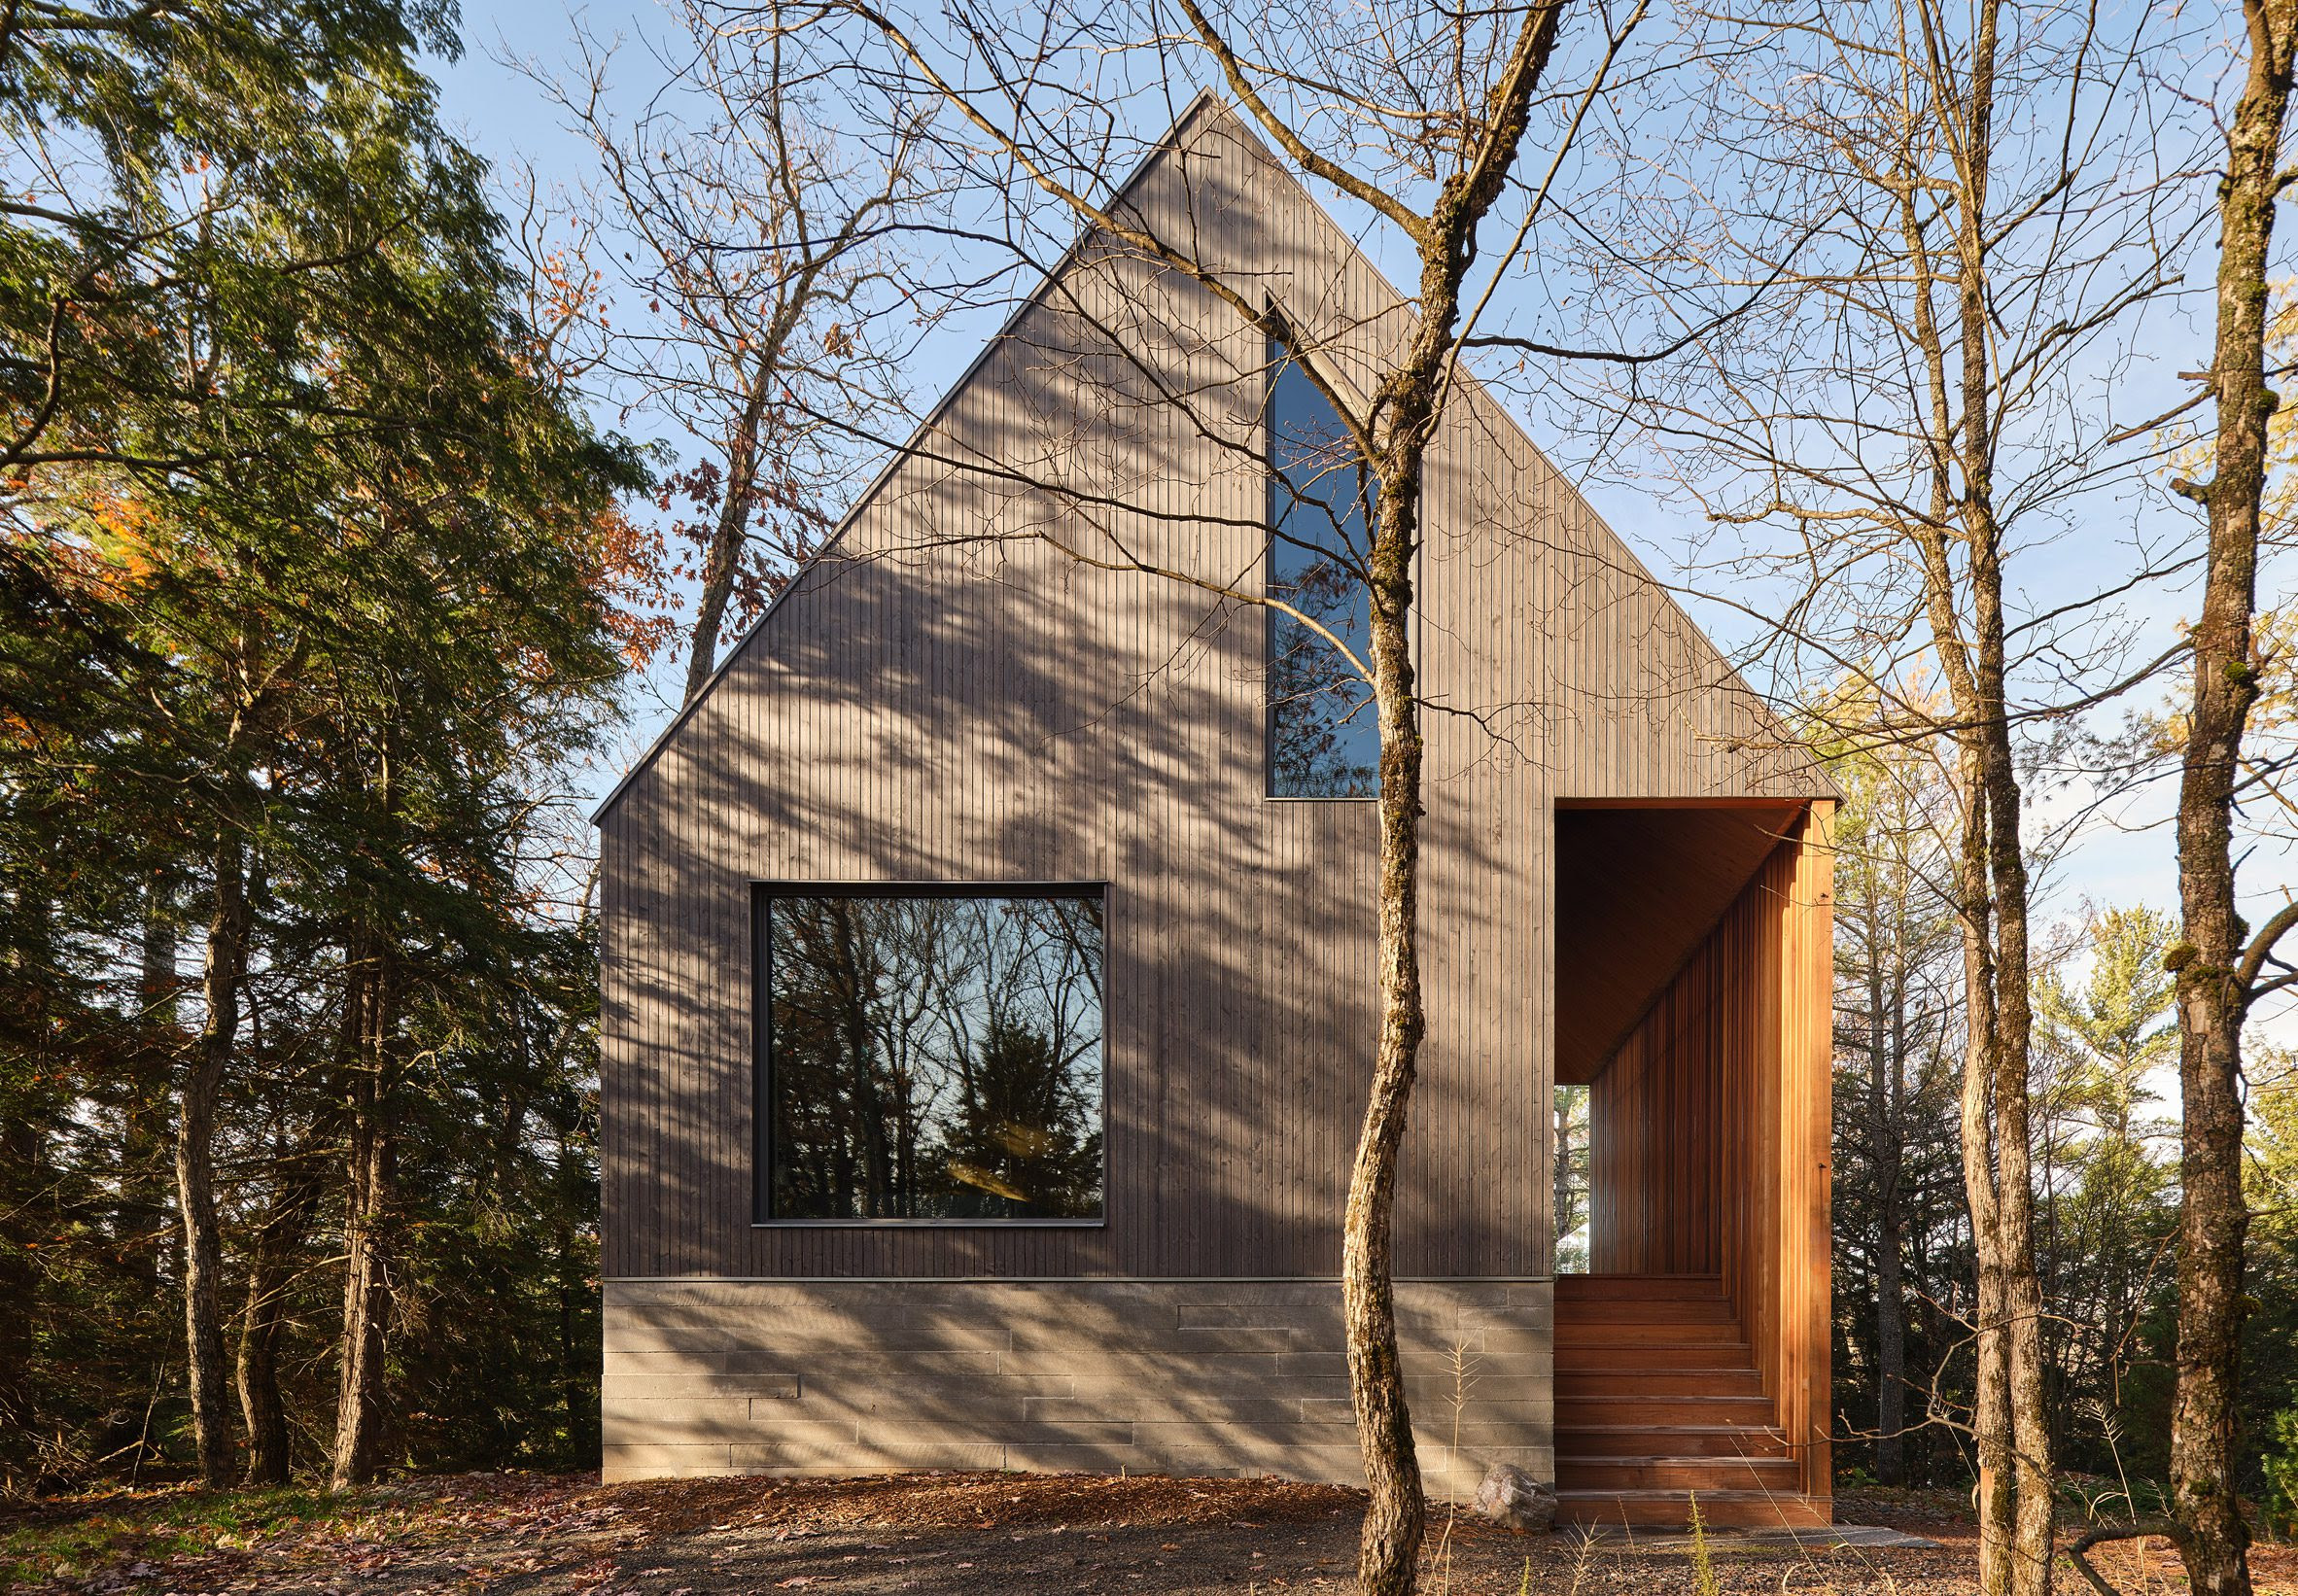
column 931, row 1054
column 1324, row 732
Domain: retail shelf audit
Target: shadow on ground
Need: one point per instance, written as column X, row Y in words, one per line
column 941, row 1535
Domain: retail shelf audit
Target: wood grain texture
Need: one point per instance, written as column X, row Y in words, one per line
column 1659, row 1396
column 949, row 697
column 1709, row 1130
column 1637, row 888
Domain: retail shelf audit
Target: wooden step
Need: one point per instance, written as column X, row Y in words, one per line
column 1687, row 1379
column 1658, row 1401
column 1672, row 1509
column 1602, row 1355
column 1574, row 1288
column 1778, row 1475
column 1752, row 1412
column 1649, row 1310
column 1581, row 1333
column 1582, row 1441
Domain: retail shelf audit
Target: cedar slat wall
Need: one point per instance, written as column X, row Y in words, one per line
column 1709, row 1129
column 946, row 699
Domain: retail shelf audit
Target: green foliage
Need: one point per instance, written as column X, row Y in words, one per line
column 1898, row 1181
column 1570, row 1198
column 107, row 1531
column 213, row 179
column 499, row 1362
column 306, row 561
column 1704, row 1579
column 2108, row 1205
column 2105, row 1158
column 2270, row 1331
column 2279, row 1463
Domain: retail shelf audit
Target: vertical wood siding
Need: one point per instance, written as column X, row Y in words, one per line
column 947, row 697
column 1709, row 1148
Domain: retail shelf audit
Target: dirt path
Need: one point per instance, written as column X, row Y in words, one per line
column 947, row 1534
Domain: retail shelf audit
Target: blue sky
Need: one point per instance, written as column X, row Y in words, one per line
column 2124, row 860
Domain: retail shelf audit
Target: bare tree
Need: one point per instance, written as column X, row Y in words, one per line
column 1448, row 130
column 731, row 269
column 1959, row 216
column 2218, row 965
column 1896, row 950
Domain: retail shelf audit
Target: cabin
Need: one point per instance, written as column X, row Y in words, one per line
column 988, row 954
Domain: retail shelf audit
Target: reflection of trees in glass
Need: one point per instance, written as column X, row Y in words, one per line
column 1571, row 1180
column 1324, row 736
column 934, row 1057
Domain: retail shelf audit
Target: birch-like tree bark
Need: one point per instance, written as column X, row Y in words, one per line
column 224, row 975
column 369, row 1160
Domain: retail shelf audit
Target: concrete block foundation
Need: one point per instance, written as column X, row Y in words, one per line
column 1170, row 1376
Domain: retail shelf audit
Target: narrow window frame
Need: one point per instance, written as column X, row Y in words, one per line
column 1583, row 1254
column 763, row 892
column 1278, row 355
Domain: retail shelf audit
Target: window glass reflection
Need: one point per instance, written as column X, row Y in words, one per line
column 1324, row 735
column 933, row 1057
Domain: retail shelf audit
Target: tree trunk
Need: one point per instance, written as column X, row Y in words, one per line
column 367, row 1281
column 1888, row 1035
column 2016, row 1511
column 2010, row 1425
column 721, row 560
column 1967, row 628
column 862, row 1049
column 260, row 1407
column 1395, row 1519
column 2022, row 1285
column 21, row 1155
column 263, row 1322
column 578, row 1413
column 2212, row 1219
column 223, row 973
column 1991, row 1392
column 142, row 1216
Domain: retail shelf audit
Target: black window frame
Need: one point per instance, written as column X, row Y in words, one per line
column 762, row 895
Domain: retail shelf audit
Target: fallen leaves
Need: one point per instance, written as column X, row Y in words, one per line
column 874, row 1537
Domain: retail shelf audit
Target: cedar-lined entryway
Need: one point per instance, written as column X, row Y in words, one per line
column 1693, row 981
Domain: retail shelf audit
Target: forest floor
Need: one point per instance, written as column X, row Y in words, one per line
column 944, row 1535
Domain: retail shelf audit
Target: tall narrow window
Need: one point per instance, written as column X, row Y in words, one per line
column 1324, row 734
column 931, row 1055
column 1572, row 1195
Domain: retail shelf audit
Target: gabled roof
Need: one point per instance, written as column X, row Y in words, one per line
column 1204, row 107
column 1196, row 108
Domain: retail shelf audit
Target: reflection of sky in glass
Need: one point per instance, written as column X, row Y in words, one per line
column 1324, row 736
column 934, row 1057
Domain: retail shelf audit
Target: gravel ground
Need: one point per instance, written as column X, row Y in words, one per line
column 974, row 1534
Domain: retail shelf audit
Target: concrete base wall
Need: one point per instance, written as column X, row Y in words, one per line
column 1187, row 1377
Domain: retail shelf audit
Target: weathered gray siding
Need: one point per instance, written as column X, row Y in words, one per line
column 950, row 699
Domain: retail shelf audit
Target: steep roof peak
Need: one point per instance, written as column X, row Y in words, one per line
column 1207, row 113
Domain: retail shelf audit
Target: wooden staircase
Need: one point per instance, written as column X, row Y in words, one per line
column 1659, row 1396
